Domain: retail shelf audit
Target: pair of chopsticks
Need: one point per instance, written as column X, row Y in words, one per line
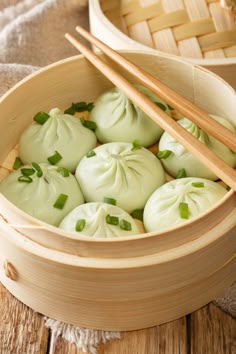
column 199, row 117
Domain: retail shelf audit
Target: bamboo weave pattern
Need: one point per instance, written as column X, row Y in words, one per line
column 189, row 28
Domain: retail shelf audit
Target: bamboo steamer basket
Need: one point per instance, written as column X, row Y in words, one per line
column 201, row 31
column 126, row 283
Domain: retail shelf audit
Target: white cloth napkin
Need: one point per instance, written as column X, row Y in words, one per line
column 32, row 36
column 32, row 31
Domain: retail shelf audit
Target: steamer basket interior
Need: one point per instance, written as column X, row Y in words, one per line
column 111, row 284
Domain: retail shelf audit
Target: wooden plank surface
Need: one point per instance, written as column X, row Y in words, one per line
column 168, row 338
column 164, row 339
column 206, row 331
column 58, row 345
column 212, row 332
column 21, row 330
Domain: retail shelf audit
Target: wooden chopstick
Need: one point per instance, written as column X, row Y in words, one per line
column 206, row 156
column 181, row 104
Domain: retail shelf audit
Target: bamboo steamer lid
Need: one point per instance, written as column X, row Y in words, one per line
column 121, row 284
column 203, row 31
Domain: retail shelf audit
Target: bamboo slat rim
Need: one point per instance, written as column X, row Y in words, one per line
column 55, row 256
column 229, row 196
column 29, row 296
column 187, row 19
column 126, row 42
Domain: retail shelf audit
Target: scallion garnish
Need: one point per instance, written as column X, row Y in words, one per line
column 70, row 111
column 164, row 154
column 183, row 210
column 17, row 163
column 88, row 124
column 61, row 201
column 27, row 171
column 228, row 188
column 79, row 107
column 76, row 107
column 181, row 173
column 137, row 214
column 109, row 200
column 198, row 184
column 80, row 225
column 136, row 145
column 25, row 179
column 38, row 169
column 41, row 117
column 54, row 158
column 125, row 225
column 90, row 153
column 112, row 220
column 63, row 171
column 161, row 106
column 90, row 106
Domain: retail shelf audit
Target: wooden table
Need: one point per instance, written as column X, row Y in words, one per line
column 206, row 331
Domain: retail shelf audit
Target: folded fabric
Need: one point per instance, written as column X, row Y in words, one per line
column 32, row 31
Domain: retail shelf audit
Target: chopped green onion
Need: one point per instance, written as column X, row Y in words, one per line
column 38, row 169
column 137, row 214
column 55, row 158
column 183, row 210
column 76, row 107
column 90, row 153
column 112, row 220
column 161, row 106
column 181, row 173
column 70, row 111
column 41, row 117
column 90, row 106
column 198, row 184
column 27, row 171
column 170, row 108
column 125, row 225
column 228, row 188
column 88, row 124
column 17, row 163
column 79, row 107
column 109, row 200
column 164, row 154
column 80, row 225
column 25, row 179
column 136, row 145
column 63, row 171
column 61, row 201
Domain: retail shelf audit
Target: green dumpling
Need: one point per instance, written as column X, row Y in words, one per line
column 180, row 158
column 38, row 196
column 118, row 119
column 121, row 171
column 180, row 200
column 61, row 133
column 99, row 220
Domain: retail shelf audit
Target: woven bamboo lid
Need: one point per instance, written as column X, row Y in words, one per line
column 189, row 28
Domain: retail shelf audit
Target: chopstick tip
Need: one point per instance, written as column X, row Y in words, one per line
column 70, row 38
column 79, row 29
